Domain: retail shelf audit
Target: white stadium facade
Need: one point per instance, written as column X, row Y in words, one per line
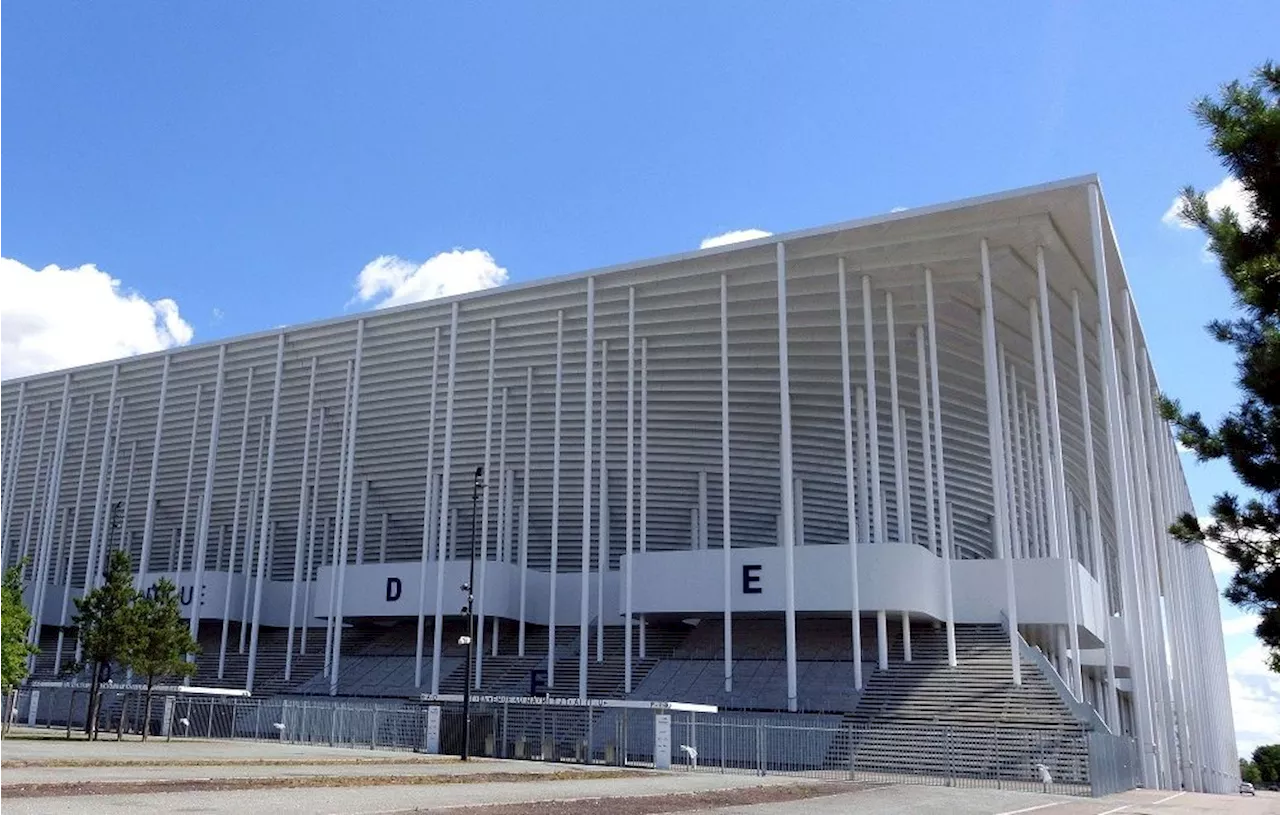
column 776, row 475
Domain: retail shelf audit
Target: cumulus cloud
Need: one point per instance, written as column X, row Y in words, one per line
column 55, row 318
column 1255, row 698
column 736, row 236
column 1229, row 193
column 393, row 281
column 1244, row 624
column 898, row 209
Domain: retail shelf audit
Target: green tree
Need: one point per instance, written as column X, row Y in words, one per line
column 160, row 641
column 14, row 648
column 15, row 620
column 1244, row 128
column 104, row 618
column 1249, row 772
column 1267, row 760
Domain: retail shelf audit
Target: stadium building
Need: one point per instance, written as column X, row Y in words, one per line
column 903, row 468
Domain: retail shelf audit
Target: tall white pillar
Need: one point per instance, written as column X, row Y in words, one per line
column 300, row 535
column 895, row 410
column 602, row 509
column 631, row 484
column 481, row 588
column 555, row 503
column 75, row 531
column 1125, row 538
column 726, row 517
column 873, row 407
column 524, row 508
column 786, row 475
column 644, row 465
column 206, row 496
column 149, row 524
column 996, row 440
column 346, row 514
column 251, row 537
column 428, row 518
column 310, row 576
column 443, row 537
column 584, row 608
column 851, row 515
column 235, row 523
column 266, row 507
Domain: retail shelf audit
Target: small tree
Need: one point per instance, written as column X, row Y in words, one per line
column 160, row 641
column 1267, row 761
column 105, row 621
column 15, row 620
column 1249, row 772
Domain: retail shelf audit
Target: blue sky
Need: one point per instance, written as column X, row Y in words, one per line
column 248, row 161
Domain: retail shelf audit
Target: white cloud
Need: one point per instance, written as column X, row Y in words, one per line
column 736, row 236
column 1255, row 698
column 57, row 318
column 898, row 209
column 218, row 314
column 1229, row 193
column 394, row 281
column 1244, row 624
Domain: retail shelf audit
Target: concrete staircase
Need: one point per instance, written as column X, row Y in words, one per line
column 926, row 717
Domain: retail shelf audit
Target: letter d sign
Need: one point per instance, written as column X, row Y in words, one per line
column 393, row 589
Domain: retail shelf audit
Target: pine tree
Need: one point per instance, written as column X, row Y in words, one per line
column 104, row 618
column 160, row 640
column 1244, row 127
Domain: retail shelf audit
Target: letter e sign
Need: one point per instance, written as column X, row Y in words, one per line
column 751, row 579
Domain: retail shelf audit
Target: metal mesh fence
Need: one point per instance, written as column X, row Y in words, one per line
column 1062, row 761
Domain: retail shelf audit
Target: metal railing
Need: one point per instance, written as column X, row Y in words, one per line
column 1060, row 761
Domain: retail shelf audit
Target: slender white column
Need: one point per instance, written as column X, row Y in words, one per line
column 480, row 589
column 1034, row 440
column 726, row 542
column 555, row 501
column 346, row 514
column 340, row 507
column 1120, row 487
column 186, row 492
column 602, row 529
column 75, row 532
column 644, row 465
column 251, row 538
column 1060, row 478
column 996, row 440
column 266, row 506
column 864, row 492
column 446, row 466
column 128, row 497
column 49, row 516
column 882, row 640
column 235, row 523
column 895, row 411
column 869, row 355
column 1144, row 543
column 524, row 508
column 504, row 502
column 428, row 505
column 149, row 524
column 943, row 505
column 13, row 461
column 1010, row 463
column 926, row 443
column 1019, row 525
column 588, row 407
column 36, row 480
column 906, row 636
column 206, row 497
column 631, row 485
column 314, row 504
column 786, row 475
column 104, row 538
column 299, row 538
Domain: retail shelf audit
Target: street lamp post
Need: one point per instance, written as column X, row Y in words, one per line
column 469, row 588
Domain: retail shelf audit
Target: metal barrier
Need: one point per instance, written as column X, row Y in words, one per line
column 1065, row 762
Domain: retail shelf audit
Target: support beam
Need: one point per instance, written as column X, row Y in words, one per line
column 940, row 469
column 204, row 518
column 602, row 509
column 75, row 532
column 339, row 509
column 584, row 608
column 446, row 467
column 235, row 523
column 726, row 540
column 346, row 514
column 631, row 489
column 310, row 577
column 482, row 589
column 299, row 536
column 149, row 524
column 786, row 474
column 428, row 504
column 555, row 501
column 524, row 508
column 996, row 443
column 878, row 523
